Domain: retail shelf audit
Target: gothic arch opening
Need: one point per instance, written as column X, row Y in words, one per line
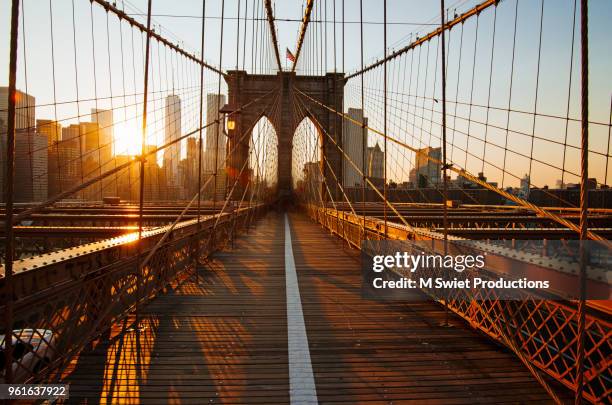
column 263, row 158
column 307, row 161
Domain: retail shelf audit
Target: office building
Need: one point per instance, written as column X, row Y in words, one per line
column 375, row 162
column 25, row 109
column 30, row 176
column 525, row 186
column 189, row 169
column 426, row 173
column 215, row 137
column 172, row 131
column 104, row 119
column 51, row 129
column 216, row 143
column 354, row 141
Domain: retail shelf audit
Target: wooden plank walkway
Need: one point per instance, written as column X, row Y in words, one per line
column 224, row 338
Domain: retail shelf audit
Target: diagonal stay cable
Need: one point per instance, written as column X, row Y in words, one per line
column 38, row 207
column 467, row 175
column 196, row 196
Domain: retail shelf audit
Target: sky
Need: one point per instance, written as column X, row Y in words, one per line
column 180, row 21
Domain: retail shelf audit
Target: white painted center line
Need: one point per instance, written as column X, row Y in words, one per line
column 302, row 388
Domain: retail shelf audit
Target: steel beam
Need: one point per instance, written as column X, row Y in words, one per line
column 123, row 16
column 304, row 27
column 270, row 15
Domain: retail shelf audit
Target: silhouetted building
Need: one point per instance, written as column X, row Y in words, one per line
column 189, row 168
column 172, row 154
column 354, row 141
column 155, row 184
column 82, row 157
column 91, row 142
column 30, row 176
column 426, row 173
column 525, row 187
column 216, row 143
column 127, row 179
column 25, row 109
column 51, row 129
column 104, row 119
column 375, row 163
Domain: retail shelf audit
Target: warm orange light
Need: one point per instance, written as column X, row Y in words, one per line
column 231, row 125
column 128, row 138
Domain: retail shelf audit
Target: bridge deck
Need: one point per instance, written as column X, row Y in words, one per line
column 224, row 339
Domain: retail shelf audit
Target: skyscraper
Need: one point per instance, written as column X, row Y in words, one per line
column 375, row 163
column 215, row 141
column 71, row 135
column 91, row 142
column 354, row 137
column 51, row 129
column 80, row 158
column 172, row 154
column 25, row 110
column 213, row 103
column 104, row 119
column 426, row 173
column 188, row 169
column 30, row 184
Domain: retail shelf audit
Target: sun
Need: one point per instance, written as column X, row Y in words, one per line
column 127, row 138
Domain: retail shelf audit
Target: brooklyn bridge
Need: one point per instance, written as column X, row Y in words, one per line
column 195, row 192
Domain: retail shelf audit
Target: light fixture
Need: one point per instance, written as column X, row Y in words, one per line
column 231, row 124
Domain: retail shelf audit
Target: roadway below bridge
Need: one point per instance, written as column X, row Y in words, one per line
column 279, row 318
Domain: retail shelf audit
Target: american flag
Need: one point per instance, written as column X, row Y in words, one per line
column 290, row 56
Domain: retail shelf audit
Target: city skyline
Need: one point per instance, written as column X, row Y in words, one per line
column 52, row 158
column 550, row 156
column 306, row 201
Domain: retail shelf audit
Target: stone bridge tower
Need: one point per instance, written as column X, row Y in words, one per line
column 244, row 88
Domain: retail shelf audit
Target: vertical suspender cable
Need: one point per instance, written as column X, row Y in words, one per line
column 129, row 178
column 444, row 162
column 246, row 10
column 254, row 48
column 142, row 154
column 197, row 250
column 342, row 36
column 325, row 32
column 584, row 161
column 364, row 138
column 385, row 116
column 111, row 142
column 341, row 133
column 320, row 44
column 95, row 88
column 57, row 148
column 608, row 147
column 508, row 111
column 253, row 23
column 334, row 31
column 8, row 195
column 31, row 130
column 218, row 124
column 569, row 96
column 237, row 36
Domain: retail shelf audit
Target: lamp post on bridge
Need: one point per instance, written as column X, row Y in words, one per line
column 238, row 150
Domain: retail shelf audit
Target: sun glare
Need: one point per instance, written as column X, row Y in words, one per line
column 127, row 139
